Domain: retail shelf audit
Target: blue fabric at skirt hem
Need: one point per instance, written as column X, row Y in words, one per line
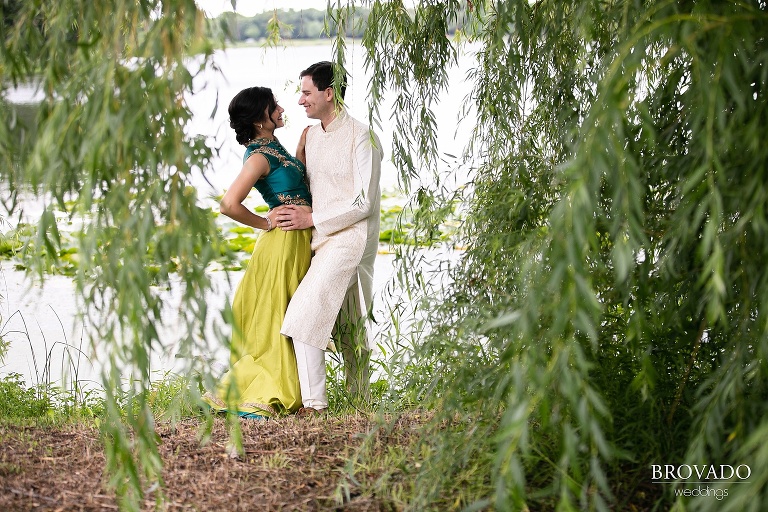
column 251, row 416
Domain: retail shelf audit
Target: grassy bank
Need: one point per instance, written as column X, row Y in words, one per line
column 286, row 464
column 354, row 458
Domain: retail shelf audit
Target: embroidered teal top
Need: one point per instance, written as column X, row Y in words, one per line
column 286, row 182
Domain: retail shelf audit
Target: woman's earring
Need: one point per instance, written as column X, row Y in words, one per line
column 261, row 126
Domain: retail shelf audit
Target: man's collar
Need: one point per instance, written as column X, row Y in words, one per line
column 341, row 115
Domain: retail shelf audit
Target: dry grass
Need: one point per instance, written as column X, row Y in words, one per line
column 288, row 464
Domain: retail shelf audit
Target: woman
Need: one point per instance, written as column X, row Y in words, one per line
column 263, row 379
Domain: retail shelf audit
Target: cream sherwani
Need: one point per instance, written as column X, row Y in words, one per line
column 344, row 170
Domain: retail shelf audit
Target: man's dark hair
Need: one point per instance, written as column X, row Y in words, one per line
column 322, row 76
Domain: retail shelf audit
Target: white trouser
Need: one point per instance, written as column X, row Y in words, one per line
column 311, row 365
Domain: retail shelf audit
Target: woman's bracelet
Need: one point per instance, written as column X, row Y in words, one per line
column 269, row 224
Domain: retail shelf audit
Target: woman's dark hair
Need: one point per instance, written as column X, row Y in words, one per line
column 247, row 108
column 322, row 76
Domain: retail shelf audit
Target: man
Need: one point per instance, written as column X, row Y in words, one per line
column 344, row 168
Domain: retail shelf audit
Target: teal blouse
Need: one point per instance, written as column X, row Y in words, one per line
column 286, row 182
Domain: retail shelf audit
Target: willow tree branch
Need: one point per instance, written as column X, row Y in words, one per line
column 681, row 388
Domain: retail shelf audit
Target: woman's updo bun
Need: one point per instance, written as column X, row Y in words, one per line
column 248, row 108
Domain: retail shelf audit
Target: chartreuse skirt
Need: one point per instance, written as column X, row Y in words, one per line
column 263, row 380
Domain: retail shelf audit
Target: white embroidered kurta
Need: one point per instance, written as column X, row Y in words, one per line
column 344, row 171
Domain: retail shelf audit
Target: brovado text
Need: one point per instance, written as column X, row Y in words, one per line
column 699, row 472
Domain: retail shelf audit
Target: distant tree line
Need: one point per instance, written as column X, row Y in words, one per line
column 292, row 24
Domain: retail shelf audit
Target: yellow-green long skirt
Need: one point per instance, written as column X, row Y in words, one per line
column 263, row 379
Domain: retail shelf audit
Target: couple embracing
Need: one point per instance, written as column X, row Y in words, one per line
column 310, row 277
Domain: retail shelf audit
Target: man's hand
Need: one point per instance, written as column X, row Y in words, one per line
column 290, row 217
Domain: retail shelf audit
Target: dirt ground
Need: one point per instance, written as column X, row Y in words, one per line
column 289, row 464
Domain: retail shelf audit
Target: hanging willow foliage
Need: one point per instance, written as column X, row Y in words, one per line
column 109, row 148
column 610, row 311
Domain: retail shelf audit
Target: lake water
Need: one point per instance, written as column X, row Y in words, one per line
column 41, row 320
column 278, row 69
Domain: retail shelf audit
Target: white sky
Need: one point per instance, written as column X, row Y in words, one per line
column 251, row 7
